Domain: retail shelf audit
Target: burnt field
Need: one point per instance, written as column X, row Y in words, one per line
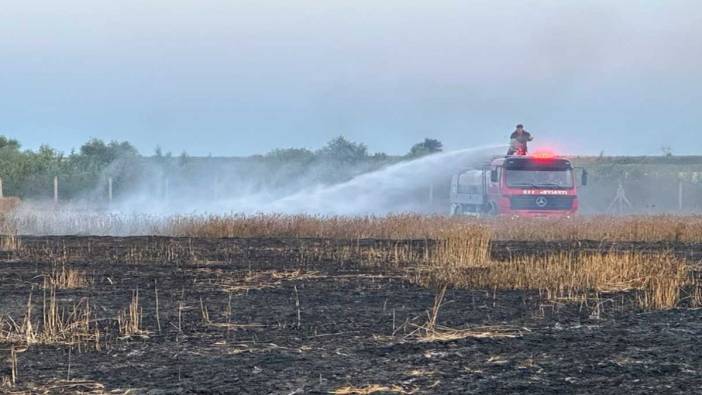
column 254, row 315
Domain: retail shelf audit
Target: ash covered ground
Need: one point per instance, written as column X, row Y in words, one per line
column 276, row 322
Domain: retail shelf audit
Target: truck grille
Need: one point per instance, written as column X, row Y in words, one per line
column 542, row 202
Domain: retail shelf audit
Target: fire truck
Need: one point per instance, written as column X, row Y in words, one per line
column 538, row 185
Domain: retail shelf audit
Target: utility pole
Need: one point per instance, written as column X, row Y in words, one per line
column 680, row 195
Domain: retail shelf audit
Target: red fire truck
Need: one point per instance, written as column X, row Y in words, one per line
column 538, row 185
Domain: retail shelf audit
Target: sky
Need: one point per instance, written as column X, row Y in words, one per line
column 243, row 77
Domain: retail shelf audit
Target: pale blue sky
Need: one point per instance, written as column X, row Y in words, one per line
column 243, row 77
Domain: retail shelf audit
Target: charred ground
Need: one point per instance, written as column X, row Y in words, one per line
column 270, row 316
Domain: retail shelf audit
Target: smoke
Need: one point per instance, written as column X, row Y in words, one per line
column 249, row 188
column 390, row 190
column 257, row 185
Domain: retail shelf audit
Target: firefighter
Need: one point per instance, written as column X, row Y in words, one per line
column 518, row 141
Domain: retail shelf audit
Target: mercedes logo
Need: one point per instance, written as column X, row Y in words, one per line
column 541, row 201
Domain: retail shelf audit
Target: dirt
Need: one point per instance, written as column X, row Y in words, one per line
column 281, row 323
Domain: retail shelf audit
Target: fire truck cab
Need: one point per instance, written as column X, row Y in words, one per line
column 539, row 185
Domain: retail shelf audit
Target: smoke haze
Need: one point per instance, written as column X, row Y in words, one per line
column 402, row 187
column 224, row 80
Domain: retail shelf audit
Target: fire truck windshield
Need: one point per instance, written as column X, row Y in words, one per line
column 539, row 178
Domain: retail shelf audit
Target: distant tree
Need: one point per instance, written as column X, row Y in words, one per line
column 159, row 154
column 15, row 166
column 84, row 172
column 100, row 154
column 8, row 143
column 286, row 155
column 667, row 151
column 342, row 150
column 426, row 147
column 183, row 159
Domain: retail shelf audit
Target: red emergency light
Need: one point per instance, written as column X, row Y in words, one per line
column 543, row 155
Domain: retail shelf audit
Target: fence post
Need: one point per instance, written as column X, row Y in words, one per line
column 55, row 189
column 109, row 190
column 1, row 193
column 680, row 195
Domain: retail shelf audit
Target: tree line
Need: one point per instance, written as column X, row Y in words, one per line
column 84, row 172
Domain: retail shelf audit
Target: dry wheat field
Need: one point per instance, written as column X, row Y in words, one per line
column 301, row 304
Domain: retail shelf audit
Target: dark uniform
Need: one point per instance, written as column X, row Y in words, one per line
column 519, row 140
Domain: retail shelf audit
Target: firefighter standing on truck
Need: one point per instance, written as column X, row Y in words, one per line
column 518, row 141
